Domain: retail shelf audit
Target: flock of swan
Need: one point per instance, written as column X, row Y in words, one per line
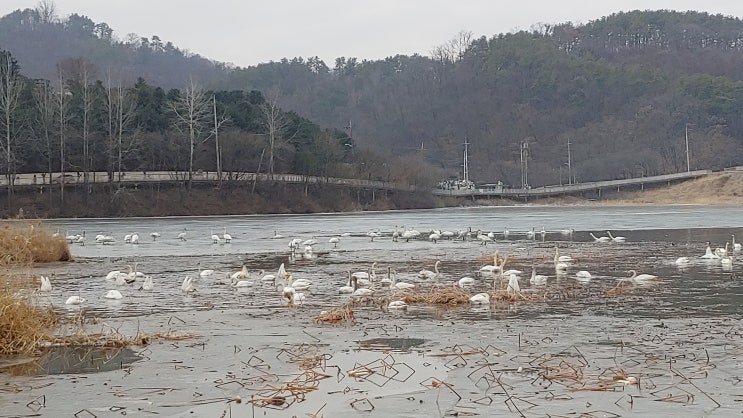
column 368, row 283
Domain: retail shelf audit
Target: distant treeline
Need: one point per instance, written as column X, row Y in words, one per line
column 621, row 93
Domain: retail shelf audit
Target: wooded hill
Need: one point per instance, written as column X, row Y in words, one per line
column 621, row 90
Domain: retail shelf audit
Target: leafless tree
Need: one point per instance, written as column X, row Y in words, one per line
column 47, row 11
column 10, row 89
column 275, row 122
column 120, row 108
column 219, row 121
column 63, row 116
column 45, row 104
column 192, row 111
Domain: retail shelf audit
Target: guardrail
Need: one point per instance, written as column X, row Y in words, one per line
column 73, row 178
column 573, row 188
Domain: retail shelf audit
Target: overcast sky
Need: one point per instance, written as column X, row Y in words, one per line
column 250, row 32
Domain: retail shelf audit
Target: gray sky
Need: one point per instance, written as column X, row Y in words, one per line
column 250, row 32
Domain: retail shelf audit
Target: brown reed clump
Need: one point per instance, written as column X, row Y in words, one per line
column 437, row 296
column 339, row 315
column 22, row 244
column 22, row 326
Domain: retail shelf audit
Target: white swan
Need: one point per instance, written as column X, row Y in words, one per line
column 563, row 258
column 113, row 294
column 187, row 285
column 121, row 279
column 349, row 287
column 435, row 237
column 428, row 274
column 531, row 234
column 227, row 237
column 155, row 235
column 599, row 239
column 366, row 278
column 334, row 241
column 182, row 236
column 466, row 281
column 480, row 299
column 490, row 269
column 299, row 284
column 236, row 282
column 397, row 305
column 721, row 252
column 640, row 278
column 736, row 245
column 134, row 273
column 277, row 235
column 373, row 234
column 293, row 297
column 147, row 285
column 310, row 242
column 363, row 291
column 511, row 271
column 241, row 274
column 537, row 279
column 135, row 238
column 215, row 238
column 583, row 276
column 395, row 285
column 560, row 266
column 506, row 233
column 682, row 261
column 616, row 239
column 46, row 284
column 513, row 284
column 205, row 272
column 708, row 254
column 74, row 300
column 483, row 238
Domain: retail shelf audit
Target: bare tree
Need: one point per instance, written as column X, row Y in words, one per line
column 275, row 122
column 47, row 11
column 10, row 89
column 121, row 111
column 219, row 121
column 192, row 112
column 63, row 116
column 45, row 102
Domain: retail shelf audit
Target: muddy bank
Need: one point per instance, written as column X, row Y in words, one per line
column 230, row 199
column 282, row 198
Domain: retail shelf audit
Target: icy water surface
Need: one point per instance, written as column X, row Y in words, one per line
column 598, row 347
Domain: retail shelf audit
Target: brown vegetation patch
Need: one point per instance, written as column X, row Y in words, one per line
column 22, row 244
column 436, row 296
column 22, row 326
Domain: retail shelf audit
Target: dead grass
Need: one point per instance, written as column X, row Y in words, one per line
column 436, row 296
column 22, row 244
column 24, row 326
column 716, row 188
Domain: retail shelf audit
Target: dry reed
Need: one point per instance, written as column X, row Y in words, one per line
column 437, row 296
column 24, row 326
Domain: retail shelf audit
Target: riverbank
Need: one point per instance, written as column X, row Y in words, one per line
column 282, row 198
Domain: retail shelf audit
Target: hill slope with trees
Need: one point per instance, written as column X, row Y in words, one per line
column 618, row 97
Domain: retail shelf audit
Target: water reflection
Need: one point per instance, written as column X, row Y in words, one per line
column 74, row 360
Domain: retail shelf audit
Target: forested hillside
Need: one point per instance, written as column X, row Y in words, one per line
column 615, row 97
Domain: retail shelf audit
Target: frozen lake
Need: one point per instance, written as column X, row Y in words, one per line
column 679, row 336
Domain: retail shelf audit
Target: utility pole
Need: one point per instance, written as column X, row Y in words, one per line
column 524, row 164
column 570, row 179
column 466, row 166
column 688, row 164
